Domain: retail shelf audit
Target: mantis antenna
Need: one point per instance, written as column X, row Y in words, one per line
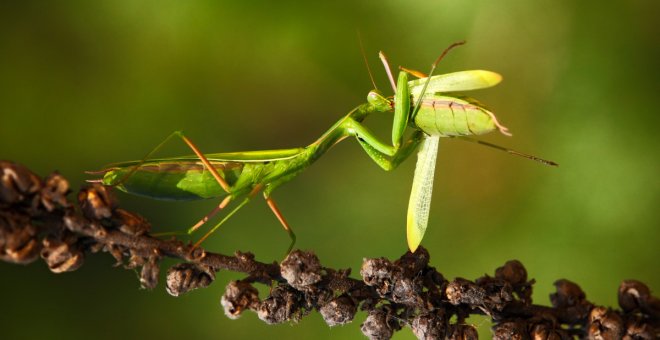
column 364, row 56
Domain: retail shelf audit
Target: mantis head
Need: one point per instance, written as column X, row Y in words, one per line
column 381, row 103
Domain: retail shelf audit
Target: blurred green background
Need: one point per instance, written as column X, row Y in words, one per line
column 86, row 83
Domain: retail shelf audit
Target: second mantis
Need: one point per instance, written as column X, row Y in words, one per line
column 422, row 105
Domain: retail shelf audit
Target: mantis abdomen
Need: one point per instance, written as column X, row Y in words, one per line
column 176, row 180
column 187, row 178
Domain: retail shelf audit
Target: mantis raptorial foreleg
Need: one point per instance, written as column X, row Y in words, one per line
column 386, row 156
column 364, row 135
column 401, row 109
column 388, row 163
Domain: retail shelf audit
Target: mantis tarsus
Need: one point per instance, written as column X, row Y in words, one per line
column 427, row 106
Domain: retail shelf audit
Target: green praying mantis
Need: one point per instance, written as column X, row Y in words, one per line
column 427, row 106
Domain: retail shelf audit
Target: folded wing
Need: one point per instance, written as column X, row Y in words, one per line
column 422, row 189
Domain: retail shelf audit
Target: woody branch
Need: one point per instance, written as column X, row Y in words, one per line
column 38, row 221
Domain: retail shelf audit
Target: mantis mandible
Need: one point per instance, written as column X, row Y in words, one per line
column 424, row 106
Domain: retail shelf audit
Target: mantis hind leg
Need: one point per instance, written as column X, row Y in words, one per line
column 221, row 181
column 245, row 201
column 225, row 219
column 223, row 204
column 208, row 216
column 280, row 217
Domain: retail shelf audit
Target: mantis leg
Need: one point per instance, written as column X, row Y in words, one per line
column 386, row 156
column 205, row 161
column 280, row 217
column 401, row 110
column 364, row 135
column 245, row 201
column 208, row 216
column 401, row 102
column 225, row 219
column 390, row 163
column 221, row 181
column 389, row 157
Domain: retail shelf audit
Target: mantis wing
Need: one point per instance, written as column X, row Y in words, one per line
column 420, row 197
column 239, row 157
column 456, row 81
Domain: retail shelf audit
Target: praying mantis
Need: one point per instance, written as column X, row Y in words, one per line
column 427, row 106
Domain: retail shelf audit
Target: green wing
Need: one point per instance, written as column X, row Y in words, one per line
column 422, row 189
column 255, row 156
column 240, row 157
column 456, row 81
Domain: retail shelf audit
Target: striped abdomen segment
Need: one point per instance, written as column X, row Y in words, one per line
column 450, row 116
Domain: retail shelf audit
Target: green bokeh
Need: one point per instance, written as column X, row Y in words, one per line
column 85, row 83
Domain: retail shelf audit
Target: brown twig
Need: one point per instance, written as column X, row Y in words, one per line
column 37, row 220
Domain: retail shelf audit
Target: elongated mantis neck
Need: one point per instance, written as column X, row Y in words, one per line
column 339, row 131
